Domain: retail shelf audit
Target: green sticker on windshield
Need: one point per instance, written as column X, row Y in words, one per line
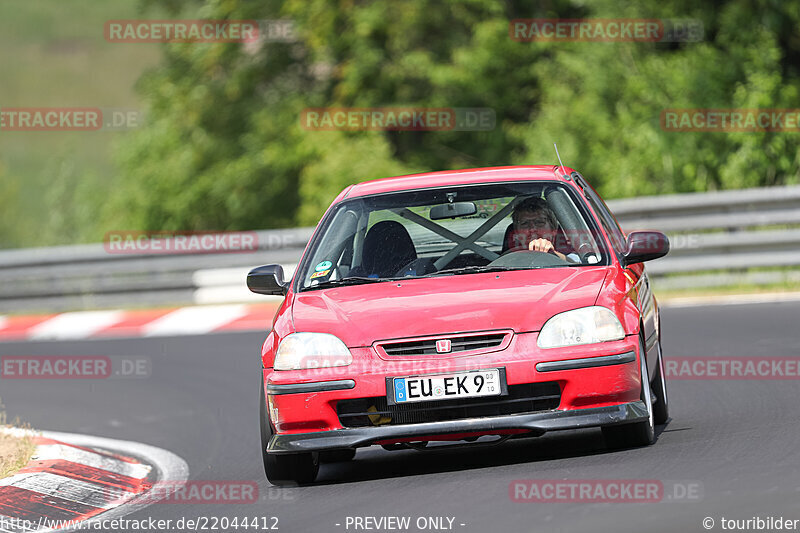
column 325, row 265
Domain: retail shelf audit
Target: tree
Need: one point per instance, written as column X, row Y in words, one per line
column 224, row 148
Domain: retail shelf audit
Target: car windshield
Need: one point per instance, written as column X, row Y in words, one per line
column 450, row 231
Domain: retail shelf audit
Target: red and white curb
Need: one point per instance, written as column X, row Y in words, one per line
column 194, row 320
column 78, row 478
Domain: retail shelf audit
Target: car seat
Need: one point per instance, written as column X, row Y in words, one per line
column 387, row 248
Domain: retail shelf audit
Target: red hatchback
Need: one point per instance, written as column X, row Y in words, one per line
column 417, row 315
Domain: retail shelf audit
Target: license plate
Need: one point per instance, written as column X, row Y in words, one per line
column 472, row 384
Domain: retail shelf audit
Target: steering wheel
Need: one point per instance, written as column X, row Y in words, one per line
column 585, row 251
column 527, row 259
column 415, row 264
column 515, row 250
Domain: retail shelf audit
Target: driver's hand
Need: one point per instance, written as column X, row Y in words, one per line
column 540, row 245
column 543, row 245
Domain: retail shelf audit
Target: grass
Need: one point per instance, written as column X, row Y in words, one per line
column 54, row 54
column 15, row 452
column 666, row 294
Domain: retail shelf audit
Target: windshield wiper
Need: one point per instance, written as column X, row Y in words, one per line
column 352, row 280
column 472, row 270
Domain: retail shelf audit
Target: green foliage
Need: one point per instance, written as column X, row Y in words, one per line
column 9, row 196
column 223, row 147
column 220, row 150
column 54, row 55
column 226, row 150
column 341, row 162
column 604, row 101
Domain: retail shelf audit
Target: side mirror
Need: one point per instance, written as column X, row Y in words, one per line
column 267, row 280
column 644, row 246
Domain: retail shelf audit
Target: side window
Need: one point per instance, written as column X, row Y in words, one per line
column 608, row 221
column 336, row 247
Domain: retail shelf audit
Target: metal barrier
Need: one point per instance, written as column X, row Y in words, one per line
column 718, row 238
column 88, row 277
column 727, row 233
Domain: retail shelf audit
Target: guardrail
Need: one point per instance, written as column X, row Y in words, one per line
column 89, row 277
column 728, row 232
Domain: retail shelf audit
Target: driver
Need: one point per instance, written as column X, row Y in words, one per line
column 534, row 226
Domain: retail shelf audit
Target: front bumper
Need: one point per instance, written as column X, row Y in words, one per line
column 535, row 424
column 596, row 383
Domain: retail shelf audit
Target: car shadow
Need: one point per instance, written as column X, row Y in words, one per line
column 375, row 464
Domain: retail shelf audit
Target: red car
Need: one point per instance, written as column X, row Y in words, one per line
column 410, row 320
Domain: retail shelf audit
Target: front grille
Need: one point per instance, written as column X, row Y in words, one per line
column 526, row 398
column 457, row 344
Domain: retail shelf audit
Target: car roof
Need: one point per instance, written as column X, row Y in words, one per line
column 456, row 177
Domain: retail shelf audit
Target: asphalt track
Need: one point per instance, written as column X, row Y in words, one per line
column 735, row 443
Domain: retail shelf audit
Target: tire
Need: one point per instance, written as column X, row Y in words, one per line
column 661, row 407
column 285, row 469
column 638, row 433
column 291, row 469
column 337, row 456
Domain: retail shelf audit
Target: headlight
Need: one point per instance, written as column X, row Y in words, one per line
column 586, row 325
column 300, row 351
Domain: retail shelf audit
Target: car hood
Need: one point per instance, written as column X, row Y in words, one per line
column 519, row 300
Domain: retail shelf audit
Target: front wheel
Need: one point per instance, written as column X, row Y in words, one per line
column 661, row 407
column 291, row 469
column 638, row 433
column 288, row 469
